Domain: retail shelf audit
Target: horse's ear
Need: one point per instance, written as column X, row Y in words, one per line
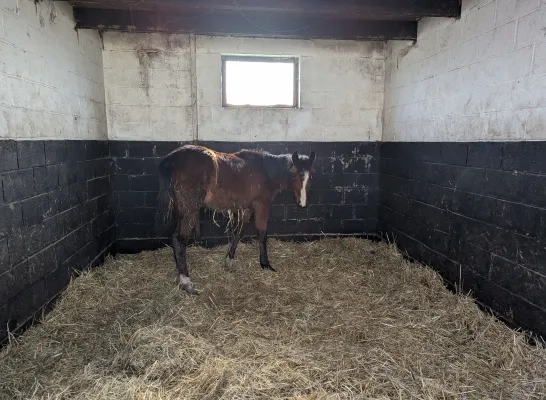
column 312, row 157
column 295, row 157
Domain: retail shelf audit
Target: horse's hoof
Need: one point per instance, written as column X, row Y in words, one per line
column 229, row 264
column 190, row 289
column 186, row 285
column 268, row 267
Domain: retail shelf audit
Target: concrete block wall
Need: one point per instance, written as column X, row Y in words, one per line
column 480, row 78
column 148, row 86
column 462, row 168
column 168, row 87
column 475, row 212
column 56, row 213
column 51, row 76
column 56, row 217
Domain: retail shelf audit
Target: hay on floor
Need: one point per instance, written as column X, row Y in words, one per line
column 343, row 318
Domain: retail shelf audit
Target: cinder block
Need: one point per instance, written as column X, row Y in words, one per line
column 5, row 95
column 510, row 125
column 490, row 98
column 9, row 6
column 423, row 49
column 178, row 61
column 30, row 153
column 529, row 92
column 130, row 96
column 181, row 116
column 244, row 132
column 122, row 113
column 486, row 155
column 174, row 131
column 272, row 131
column 35, row 210
column 497, row 41
column 536, row 124
column 123, row 41
column 450, row 35
column 479, row 20
column 121, row 60
column 169, row 42
column 8, row 155
column 164, row 78
column 204, row 114
column 429, row 26
column 531, row 28
column 437, row 64
column 11, row 219
column 275, row 116
column 126, row 77
column 539, row 65
column 129, row 130
column 507, row 67
column 509, row 10
column 209, row 97
column 339, row 133
column 310, row 133
column 18, row 185
column 463, row 53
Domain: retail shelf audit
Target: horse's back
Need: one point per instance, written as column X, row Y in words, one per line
column 189, row 150
column 191, row 163
column 190, row 154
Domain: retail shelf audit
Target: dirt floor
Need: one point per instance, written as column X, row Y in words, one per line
column 341, row 319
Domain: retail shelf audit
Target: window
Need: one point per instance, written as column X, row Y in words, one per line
column 258, row 81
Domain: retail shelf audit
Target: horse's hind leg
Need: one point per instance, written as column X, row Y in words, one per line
column 181, row 239
column 237, row 234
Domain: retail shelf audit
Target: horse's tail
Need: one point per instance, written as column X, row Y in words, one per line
column 165, row 223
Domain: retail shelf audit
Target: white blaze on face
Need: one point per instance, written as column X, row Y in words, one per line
column 303, row 194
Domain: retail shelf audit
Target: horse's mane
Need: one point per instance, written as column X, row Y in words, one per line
column 274, row 166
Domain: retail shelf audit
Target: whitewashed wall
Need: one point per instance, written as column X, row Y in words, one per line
column 168, row 87
column 51, row 79
column 148, row 86
column 482, row 77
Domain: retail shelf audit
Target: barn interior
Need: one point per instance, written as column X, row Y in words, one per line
column 427, row 118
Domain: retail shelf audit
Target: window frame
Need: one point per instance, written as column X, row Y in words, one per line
column 263, row 58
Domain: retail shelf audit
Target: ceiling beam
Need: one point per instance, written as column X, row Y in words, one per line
column 339, row 9
column 237, row 24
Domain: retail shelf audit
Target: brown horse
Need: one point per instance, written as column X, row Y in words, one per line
column 245, row 183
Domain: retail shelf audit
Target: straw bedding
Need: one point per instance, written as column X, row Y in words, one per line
column 342, row 319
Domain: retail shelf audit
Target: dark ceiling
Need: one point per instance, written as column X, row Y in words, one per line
column 334, row 19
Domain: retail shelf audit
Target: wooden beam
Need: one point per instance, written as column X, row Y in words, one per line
column 235, row 24
column 339, row 9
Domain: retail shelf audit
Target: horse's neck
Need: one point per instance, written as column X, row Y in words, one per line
column 283, row 176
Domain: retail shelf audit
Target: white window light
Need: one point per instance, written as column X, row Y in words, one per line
column 260, row 81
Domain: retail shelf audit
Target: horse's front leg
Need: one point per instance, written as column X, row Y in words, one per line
column 261, row 214
column 237, row 234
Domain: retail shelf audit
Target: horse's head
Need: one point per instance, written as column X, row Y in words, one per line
column 302, row 174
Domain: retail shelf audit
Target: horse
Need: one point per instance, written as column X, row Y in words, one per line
column 245, row 182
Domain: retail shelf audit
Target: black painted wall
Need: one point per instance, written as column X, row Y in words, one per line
column 474, row 211
column 343, row 197
column 477, row 213
column 56, row 217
